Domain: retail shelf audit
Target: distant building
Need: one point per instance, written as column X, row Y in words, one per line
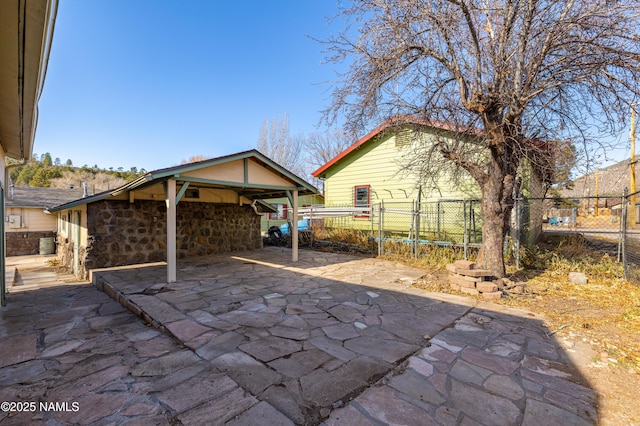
column 29, row 230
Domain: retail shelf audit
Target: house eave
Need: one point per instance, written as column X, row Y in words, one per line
column 24, row 54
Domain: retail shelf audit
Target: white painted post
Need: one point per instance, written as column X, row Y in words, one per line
column 171, row 231
column 294, row 228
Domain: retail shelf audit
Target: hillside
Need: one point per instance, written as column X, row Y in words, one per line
column 612, row 181
column 46, row 173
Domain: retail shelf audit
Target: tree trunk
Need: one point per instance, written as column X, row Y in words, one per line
column 491, row 253
column 497, row 204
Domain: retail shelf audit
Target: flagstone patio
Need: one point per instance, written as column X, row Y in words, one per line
column 308, row 337
column 257, row 339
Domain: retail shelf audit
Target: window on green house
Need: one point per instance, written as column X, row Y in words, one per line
column 281, row 214
column 361, row 196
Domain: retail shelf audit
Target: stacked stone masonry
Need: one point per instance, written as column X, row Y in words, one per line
column 123, row 233
column 25, row 243
column 65, row 255
column 465, row 278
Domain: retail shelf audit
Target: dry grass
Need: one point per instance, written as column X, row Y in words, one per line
column 607, row 308
column 354, row 237
column 433, row 258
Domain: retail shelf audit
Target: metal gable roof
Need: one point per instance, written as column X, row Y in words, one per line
column 252, row 191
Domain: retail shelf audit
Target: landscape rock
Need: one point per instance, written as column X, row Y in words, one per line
column 578, row 278
column 465, row 264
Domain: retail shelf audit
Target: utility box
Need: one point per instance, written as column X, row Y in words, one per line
column 14, row 220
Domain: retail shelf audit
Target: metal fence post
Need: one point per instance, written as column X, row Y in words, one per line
column 438, row 213
column 472, row 219
column 379, row 234
column 311, row 227
column 625, row 266
column 518, row 230
column 465, row 237
column 371, row 215
column 622, row 203
column 416, row 227
column 418, row 218
column 381, row 242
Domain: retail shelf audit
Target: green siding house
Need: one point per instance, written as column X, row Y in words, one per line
column 372, row 168
column 373, row 173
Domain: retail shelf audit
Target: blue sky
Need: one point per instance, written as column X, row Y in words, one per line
column 149, row 83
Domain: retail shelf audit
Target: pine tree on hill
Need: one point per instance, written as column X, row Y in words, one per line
column 44, row 172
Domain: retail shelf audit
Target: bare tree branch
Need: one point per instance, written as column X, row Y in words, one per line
column 277, row 143
column 523, row 71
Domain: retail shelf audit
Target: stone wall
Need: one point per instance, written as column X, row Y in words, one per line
column 204, row 228
column 121, row 233
column 25, row 243
column 65, row 256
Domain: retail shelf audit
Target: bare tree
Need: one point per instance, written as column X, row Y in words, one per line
column 277, row 143
column 97, row 182
column 194, row 159
column 515, row 74
column 323, row 147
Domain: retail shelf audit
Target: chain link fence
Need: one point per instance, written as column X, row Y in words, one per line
column 607, row 223
column 399, row 228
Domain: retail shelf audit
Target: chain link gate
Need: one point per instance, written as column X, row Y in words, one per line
column 409, row 228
